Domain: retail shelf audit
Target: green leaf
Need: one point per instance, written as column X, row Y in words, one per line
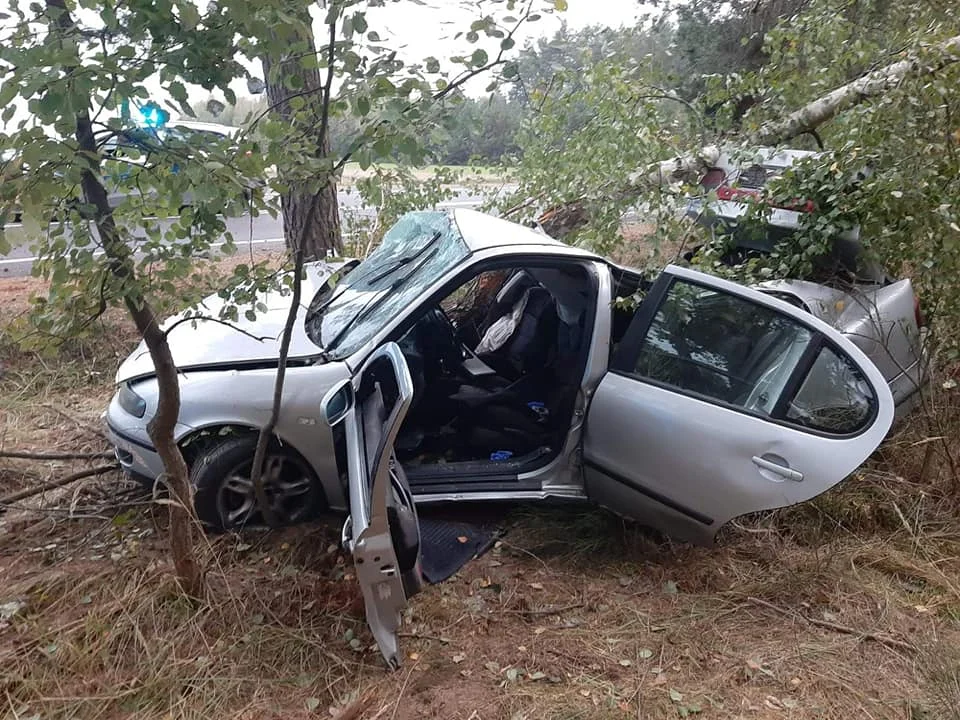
column 189, row 15
column 479, row 58
column 359, row 22
column 560, row 5
column 675, row 695
column 177, row 91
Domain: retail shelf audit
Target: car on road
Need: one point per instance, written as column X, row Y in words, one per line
column 172, row 146
column 472, row 359
column 132, row 151
column 845, row 287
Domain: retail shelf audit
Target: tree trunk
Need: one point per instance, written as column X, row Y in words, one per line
column 183, row 525
column 560, row 221
column 814, row 114
column 319, row 231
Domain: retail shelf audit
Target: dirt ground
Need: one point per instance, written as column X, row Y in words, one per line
column 846, row 607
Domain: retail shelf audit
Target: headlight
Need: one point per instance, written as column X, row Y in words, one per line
column 131, row 402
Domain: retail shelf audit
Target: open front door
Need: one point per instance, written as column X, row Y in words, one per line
column 722, row 401
column 382, row 531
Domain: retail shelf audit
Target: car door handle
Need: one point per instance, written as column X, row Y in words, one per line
column 777, row 468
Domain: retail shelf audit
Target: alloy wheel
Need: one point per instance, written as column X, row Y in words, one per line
column 287, row 484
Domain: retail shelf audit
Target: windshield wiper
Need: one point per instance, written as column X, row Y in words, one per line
column 374, row 302
column 405, row 260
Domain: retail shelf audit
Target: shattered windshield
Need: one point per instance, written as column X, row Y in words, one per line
column 414, row 254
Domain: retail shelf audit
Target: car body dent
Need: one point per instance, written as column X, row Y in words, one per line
column 482, row 232
column 208, row 400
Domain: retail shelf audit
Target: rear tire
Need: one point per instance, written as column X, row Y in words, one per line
column 224, row 497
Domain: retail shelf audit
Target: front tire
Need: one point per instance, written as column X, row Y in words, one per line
column 224, row 496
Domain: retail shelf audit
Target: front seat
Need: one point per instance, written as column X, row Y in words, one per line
column 507, row 411
column 520, row 333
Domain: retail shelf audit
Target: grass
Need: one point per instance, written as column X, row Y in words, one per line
column 575, row 614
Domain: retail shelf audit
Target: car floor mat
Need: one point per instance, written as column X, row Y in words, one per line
column 450, row 538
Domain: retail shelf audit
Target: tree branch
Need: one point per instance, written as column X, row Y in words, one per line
column 266, row 432
column 120, row 260
column 873, row 84
column 210, row 318
column 54, row 484
column 564, row 219
column 882, row 639
column 24, row 455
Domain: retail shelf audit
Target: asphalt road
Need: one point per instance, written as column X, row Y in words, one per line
column 263, row 232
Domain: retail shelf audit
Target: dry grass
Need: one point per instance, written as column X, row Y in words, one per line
column 574, row 615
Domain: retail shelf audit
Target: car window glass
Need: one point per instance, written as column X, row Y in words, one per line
column 414, row 254
column 834, row 397
column 721, row 346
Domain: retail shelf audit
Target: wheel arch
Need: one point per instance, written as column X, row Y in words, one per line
column 197, row 439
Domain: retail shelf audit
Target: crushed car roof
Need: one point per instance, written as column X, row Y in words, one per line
column 481, row 231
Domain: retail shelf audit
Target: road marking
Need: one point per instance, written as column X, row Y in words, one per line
column 99, row 253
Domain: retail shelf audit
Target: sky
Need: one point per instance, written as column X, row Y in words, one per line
column 422, row 28
column 429, row 28
column 413, row 23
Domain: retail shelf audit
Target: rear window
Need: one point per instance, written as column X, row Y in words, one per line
column 834, row 397
column 847, row 257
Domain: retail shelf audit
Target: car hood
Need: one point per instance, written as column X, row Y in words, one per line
column 200, row 343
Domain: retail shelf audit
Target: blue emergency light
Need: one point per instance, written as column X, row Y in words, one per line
column 153, row 116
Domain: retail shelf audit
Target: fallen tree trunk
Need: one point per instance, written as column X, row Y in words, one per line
column 560, row 221
column 873, row 84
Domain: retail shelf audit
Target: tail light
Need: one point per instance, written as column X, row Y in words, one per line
column 728, row 193
column 918, row 313
column 713, row 178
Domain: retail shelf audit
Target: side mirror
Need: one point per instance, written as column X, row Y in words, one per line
column 337, row 402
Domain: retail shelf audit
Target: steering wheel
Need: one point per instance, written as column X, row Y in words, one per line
column 440, row 341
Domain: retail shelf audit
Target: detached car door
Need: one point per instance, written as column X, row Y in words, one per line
column 722, row 401
column 382, row 531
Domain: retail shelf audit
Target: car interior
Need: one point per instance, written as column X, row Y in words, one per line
column 496, row 367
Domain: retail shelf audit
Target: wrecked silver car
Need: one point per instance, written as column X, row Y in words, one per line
column 469, row 358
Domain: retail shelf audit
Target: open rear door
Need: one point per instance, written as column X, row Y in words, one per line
column 382, row 531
